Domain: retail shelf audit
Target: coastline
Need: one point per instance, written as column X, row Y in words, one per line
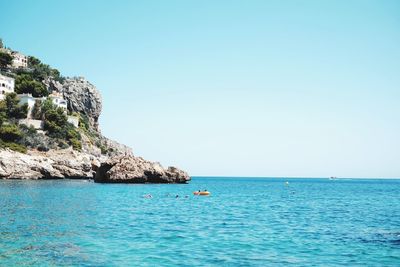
column 71, row 164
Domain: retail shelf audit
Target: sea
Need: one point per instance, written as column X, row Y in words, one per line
column 244, row 222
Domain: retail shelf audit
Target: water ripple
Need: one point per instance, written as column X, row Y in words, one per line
column 246, row 222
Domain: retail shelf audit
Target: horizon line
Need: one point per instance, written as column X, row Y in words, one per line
column 295, row 177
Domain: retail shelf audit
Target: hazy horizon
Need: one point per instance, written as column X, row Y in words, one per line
column 294, row 177
column 232, row 88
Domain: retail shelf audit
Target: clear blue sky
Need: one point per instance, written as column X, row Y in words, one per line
column 244, row 88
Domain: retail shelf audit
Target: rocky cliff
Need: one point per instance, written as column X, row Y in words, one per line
column 84, row 98
column 98, row 157
column 54, row 164
column 67, row 163
column 129, row 169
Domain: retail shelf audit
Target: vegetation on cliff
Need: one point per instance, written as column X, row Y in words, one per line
column 41, row 81
column 10, row 132
column 5, row 60
column 26, row 84
column 58, row 132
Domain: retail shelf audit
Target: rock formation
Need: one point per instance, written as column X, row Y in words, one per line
column 83, row 97
column 54, row 164
column 67, row 163
column 130, row 169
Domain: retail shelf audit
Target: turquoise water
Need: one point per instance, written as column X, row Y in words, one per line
column 246, row 222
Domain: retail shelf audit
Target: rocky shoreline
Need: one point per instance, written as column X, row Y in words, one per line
column 71, row 164
column 130, row 169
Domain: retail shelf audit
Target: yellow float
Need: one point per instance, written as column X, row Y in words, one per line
column 201, row 193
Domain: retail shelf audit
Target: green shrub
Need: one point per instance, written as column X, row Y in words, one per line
column 30, row 130
column 57, row 126
column 5, row 60
column 11, row 109
column 3, row 114
column 42, row 71
column 62, row 144
column 25, row 84
column 73, row 134
column 10, row 133
column 13, row 146
column 46, row 106
column 54, row 122
column 37, row 110
column 84, row 122
column 76, row 144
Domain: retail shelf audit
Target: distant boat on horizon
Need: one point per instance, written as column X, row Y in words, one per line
column 333, row 178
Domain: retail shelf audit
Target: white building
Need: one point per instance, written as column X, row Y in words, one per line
column 30, row 100
column 6, row 86
column 58, row 100
column 19, row 60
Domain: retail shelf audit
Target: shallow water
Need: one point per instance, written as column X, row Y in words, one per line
column 246, row 222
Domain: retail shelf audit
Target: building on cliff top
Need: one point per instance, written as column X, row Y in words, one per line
column 58, row 100
column 6, row 86
column 30, row 100
column 19, row 60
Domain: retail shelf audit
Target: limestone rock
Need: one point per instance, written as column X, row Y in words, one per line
column 54, row 164
column 83, row 97
column 130, row 169
column 116, row 149
column 53, row 85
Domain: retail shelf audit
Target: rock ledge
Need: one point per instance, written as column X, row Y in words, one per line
column 130, row 169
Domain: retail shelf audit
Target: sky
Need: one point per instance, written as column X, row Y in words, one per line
column 232, row 88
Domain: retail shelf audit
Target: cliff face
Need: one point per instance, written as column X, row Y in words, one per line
column 83, row 97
